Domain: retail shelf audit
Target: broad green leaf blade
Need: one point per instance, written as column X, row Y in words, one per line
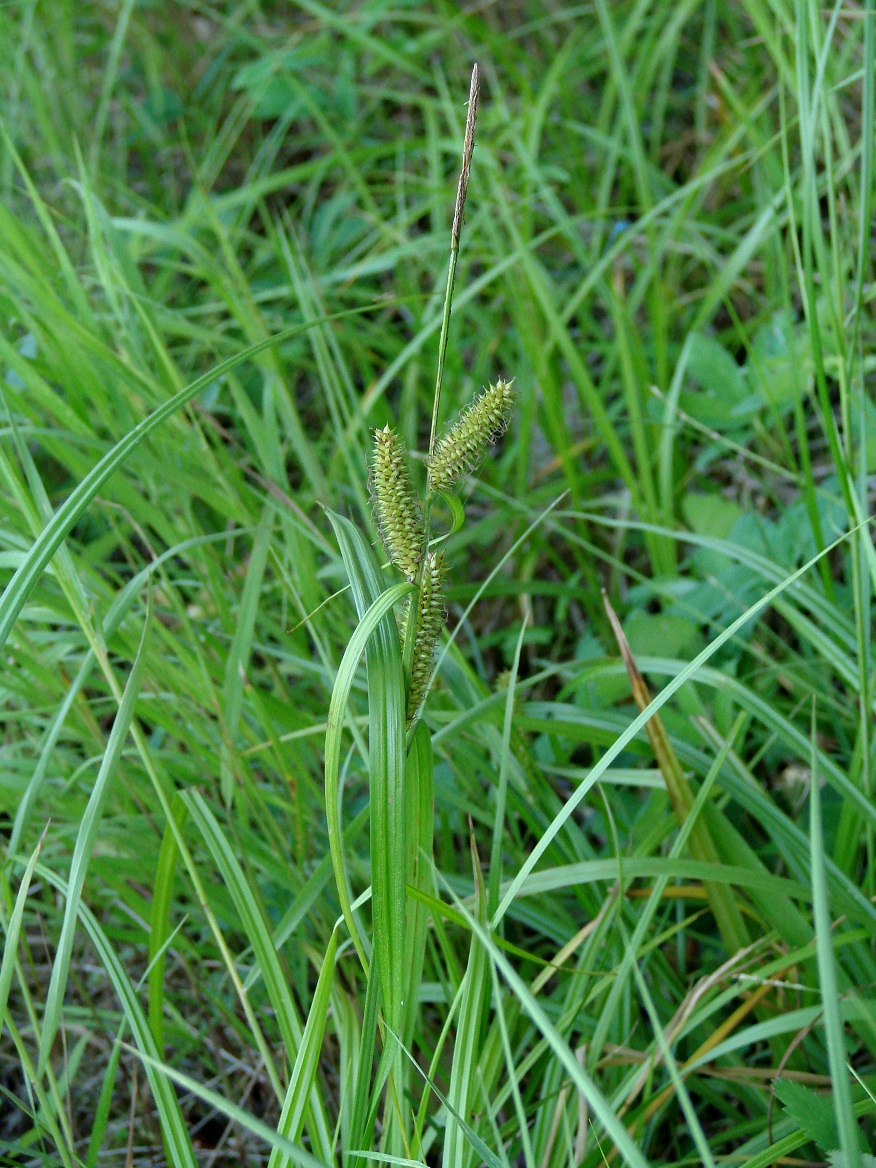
column 813, row 1113
column 386, row 747
column 372, row 619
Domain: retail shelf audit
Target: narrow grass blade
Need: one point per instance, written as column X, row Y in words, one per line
column 251, row 914
column 109, row 80
column 463, row 1074
column 483, row 1150
column 56, row 530
column 159, row 924
column 297, row 1155
column 178, row 1143
column 13, row 931
column 639, row 722
column 723, row 903
column 117, row 612
column 255, row 928
column 833, row 1025
column 82, row 852
column 598, row 1104
column 363, row 1110
column 50, row 738
column 48, row 1119
column 303, row 1074
column 511, row 1069
column 693, row 1124
column 235, row 666
column 498, row 843
column 105, row 1100
column 419, row 792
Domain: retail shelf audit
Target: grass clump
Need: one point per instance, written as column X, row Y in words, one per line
column 600, row 898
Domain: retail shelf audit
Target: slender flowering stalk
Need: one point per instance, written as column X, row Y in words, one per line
column 431, row 613
column 401, row 517
column 397, row 510
column 401, row 765
column 461, row 192
column 466, row 442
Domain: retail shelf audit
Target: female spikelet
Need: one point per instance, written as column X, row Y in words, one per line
column 466, row 442
column 397, row 511
column 431, row 615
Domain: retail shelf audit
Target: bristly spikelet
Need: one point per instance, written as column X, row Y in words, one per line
column 431, row 615
column 466, row 442
column 397, row 511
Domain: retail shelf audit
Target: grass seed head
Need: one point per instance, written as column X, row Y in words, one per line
column 397, row 511
column 466, row 442
column 431, row 615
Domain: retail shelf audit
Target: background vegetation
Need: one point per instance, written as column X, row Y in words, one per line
column 667, row 244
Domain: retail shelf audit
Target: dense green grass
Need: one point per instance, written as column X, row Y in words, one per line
column 223, row 250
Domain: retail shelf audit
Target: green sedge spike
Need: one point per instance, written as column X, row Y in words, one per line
column 466, row 442
column 397, row 511
column 431, row 615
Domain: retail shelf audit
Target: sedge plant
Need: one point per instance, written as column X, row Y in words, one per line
column 675, row 196
column 400, row 673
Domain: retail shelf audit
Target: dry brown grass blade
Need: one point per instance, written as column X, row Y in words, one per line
column 721, row 899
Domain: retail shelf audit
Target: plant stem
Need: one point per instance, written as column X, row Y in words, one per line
column 461, row 190
column 455, row 231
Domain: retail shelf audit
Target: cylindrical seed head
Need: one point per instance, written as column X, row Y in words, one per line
column 397, row 511
column 431, row 615
column 466, row 442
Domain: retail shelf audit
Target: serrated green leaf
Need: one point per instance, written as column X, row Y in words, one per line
column 814, row 1113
